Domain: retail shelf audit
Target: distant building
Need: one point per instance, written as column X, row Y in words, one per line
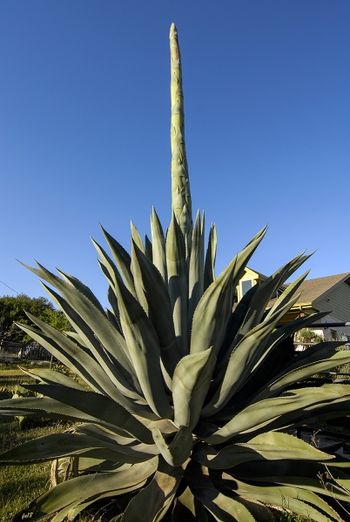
column 323, row 294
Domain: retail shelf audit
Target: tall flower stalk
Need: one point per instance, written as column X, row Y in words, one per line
column 180, row 183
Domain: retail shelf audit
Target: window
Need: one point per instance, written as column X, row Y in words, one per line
column 246, row 285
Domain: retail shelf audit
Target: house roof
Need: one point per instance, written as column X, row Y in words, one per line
column 312, row 289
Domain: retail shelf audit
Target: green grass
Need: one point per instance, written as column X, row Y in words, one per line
column 21, row 484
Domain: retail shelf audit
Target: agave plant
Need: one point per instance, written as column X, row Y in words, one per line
column 186, row 401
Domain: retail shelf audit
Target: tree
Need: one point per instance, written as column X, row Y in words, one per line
column 13, row 310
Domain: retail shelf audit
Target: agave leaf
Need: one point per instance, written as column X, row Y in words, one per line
column 156, row 498
column 188, row 508
column 345, row 484
column 311, row 476
column 196, row 267
column 106, row 436
column 113, row 315
column 214, row 308
column 323, row 358
column 109, row 336
column 47, row 376
column 122, row 258
column 148, row 249
column 109, row 268
column 70, row 354
column 179, row 449
column 293, row 499
column 177, row 282
column 114, row 278
column 269, row 446
column 258, row 510
column 58, row 445
column 158, row 246
column 222, row 508
column 111, row 354
column 243, row 358
column 88, row 319
column 72, row 510
column 263, row 292
column 279, row 412
column 185, row 506
column 144, row 351
column 52, row 409
column 80, row 489
column 191, row 381
column 97, row 406
column 136, row 238
column 209, row 266
column 150, row 286
column 286, row 295
column 269, row 363
column 138, row 279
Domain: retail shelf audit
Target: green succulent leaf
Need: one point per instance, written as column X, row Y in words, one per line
column 292, row 408
column 214, row 308
column 71, row 354
column 97, row 406
column 58, row 445
column 151, row 288
column 324, row 358
column 209, row 265
column 136, row 238
column 144, row 350
column 178, row 450
column 223, row 508
column 158, row 246
column 80, row 489
column 156, row 498
column 244, row 357
column 177, row 282
column 255, row 307
column 267, row 447
column 293, row 499
column 122, row 259
column 191, row 381
column 196, row 266
column 48, row 376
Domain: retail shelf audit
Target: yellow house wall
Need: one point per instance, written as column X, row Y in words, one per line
column 248, row 275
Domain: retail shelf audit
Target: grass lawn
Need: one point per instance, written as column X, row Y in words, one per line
column 20, row 484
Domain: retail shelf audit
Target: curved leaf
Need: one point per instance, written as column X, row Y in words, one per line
column 156, row 498
column 270, row 446
column 144, row 351
column 177, row 282
column 191, row 381
column 178, row 450
column 83, row 488
column 214, row 308
column 58, row 445
column 158, row 246
column 97, row 406
column 280, row 412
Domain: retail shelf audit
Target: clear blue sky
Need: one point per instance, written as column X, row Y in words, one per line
column 84, row 127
